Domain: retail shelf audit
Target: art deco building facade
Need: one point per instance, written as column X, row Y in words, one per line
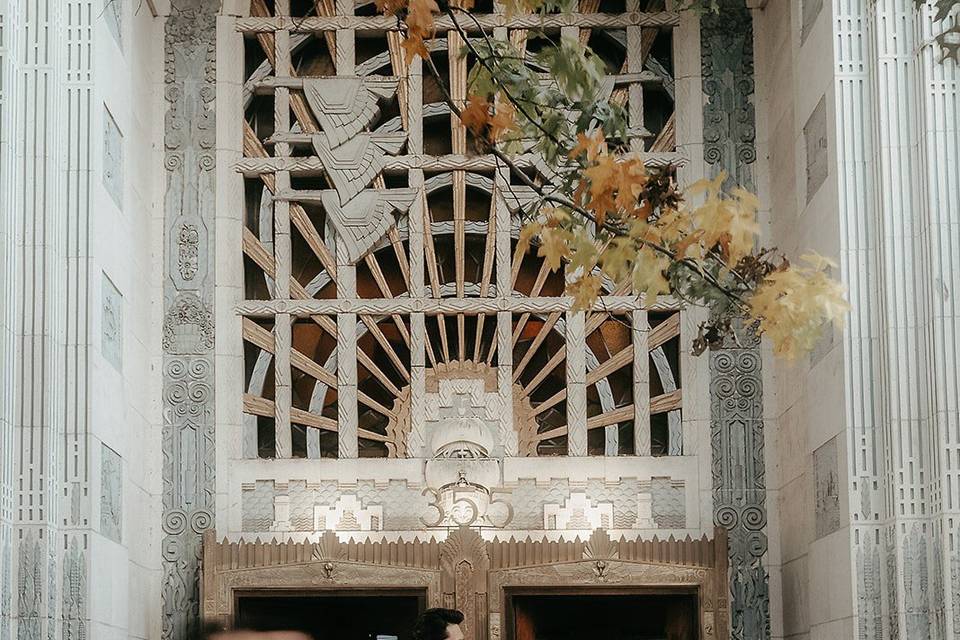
column 265, row 326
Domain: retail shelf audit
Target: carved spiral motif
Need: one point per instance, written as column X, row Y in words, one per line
column 199, row 369
column 200, row 521
column 176, row 393
column 175, row 369
column 207, row 162
column 753, row 518
column 723, row 362
column 174, row 522
column 726, row 517
column 173, row 162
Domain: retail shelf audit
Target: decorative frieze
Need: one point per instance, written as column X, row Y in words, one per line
column 621, row 504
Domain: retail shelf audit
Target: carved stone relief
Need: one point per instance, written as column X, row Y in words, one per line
column 113, row 16
column 188, row 330
column 578, row 513
column 112, row 158
column 810, row 9
column 111, row 323
column 352, row 158
column 111, row 494
column 736, row 382
column 815, row 141
column 869, row 590
column 299, row 505
column 74, row 607
column 826, row 477
column 30, row 587
column 916, row 583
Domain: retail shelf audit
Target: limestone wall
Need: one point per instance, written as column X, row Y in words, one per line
column 79, row 454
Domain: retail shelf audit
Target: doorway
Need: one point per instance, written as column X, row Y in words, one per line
column 637, row 615
column 387, row 614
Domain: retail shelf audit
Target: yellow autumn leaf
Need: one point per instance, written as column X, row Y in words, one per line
column 554, row 246
column 648, row 278
column 527, row 233
column 793, row 304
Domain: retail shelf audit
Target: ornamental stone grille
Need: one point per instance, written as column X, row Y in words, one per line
column 380, row 249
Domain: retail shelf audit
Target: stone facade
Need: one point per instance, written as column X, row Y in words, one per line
column 385, row 369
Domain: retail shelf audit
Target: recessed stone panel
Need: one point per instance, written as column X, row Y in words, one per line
column 815, row 139
column 112, row 158
column 113, row 16
column 827, row 488
column 111, row 323
column 810, row 9
column 111, row 494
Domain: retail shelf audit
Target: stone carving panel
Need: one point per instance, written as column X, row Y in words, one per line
column 810, row 9
column 736, row 382
column 113, row 16
column 627, row 503
column 188, row 332
column 111, row 323
column 74, row 608
column 815, row 142
column 916, row 583
column 111, row 494
column 869, row 590
column 112, row 158
column 826, row 477
column 30, row 587
column 578, row 512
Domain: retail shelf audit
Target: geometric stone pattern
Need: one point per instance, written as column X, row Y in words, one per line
column 111, row 493
column 188, row 408
column 111, row 323
column 293, row 506
column 815, row 141
column 736, row 382
column 826, row 478
column 362, row 125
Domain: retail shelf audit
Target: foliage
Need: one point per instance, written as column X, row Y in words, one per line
column 595, row 207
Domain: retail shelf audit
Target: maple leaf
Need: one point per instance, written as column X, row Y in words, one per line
column 476, row 115
column 554, row 246
column 420, row 25
column 593, row 145
column 648, row 279
column 585, row 291
column 585, row 254
column 527, row 233
column 503, row 121
column 793, row 304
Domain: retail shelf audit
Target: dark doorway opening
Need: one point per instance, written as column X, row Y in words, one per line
column 341, row 615
column 640, row 615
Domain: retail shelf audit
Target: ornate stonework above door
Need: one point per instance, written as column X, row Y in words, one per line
column 469, row 573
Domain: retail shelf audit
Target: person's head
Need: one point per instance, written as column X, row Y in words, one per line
column 438, row 624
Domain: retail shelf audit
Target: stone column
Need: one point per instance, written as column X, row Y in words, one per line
column 188, row 329
column 736, row 383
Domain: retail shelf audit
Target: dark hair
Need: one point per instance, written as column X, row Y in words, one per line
column 432, row 623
